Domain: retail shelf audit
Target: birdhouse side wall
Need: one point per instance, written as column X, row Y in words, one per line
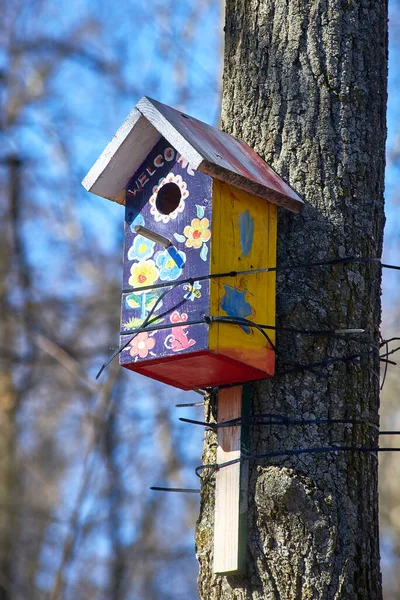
column 152, row 273
column 244, row 238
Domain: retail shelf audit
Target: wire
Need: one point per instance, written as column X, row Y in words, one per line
column 245, row 322
column 325, row 363
column 241, row 322
column 391, row 352
column 189, row 404
column 166, row 489
column 146, row 322
column 317, row 332
column 331, row 262
column 214, row 467
column 166, row 326
column 206, row 319
column 386, row 364
column 273, row 419
column 393, row 339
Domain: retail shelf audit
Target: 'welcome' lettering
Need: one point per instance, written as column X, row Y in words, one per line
column 159, row 161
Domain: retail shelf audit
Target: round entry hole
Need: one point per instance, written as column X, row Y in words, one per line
column 168, row 198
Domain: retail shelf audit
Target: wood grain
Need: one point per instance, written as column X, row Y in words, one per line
column 230, row 489
column 124, row 154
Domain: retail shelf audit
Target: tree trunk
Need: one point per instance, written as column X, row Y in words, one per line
column 11, row 269
column 305, row 86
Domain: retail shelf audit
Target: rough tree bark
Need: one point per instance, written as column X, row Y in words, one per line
column 305, row 86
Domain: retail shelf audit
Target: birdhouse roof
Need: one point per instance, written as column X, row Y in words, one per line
column 206, row 148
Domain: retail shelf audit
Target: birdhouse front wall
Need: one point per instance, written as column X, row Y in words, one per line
column 147, row 264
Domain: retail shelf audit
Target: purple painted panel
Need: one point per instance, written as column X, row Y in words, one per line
column 147, row 263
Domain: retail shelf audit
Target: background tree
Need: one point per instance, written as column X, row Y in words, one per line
column 77, row 518
column 305, row 87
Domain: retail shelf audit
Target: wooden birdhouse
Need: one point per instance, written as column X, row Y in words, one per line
column 198, row 203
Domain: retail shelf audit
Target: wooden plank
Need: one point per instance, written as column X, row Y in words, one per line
column 230, row 525
column 112, row 171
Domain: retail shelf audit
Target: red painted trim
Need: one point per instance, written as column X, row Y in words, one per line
column 201, row 369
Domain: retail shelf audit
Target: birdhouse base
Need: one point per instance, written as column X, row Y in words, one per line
column 204, row 369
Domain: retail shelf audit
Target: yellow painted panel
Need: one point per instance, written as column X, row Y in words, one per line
column 244, row 237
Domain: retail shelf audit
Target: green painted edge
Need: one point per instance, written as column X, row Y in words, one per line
column 244, row 479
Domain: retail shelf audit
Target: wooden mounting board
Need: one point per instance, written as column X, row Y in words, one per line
column 230, row 524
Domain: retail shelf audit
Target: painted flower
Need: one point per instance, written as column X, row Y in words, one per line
column 178, row 339
column 141, row 248
column 143, row 273
column 169, row 269
column 193, row 291
column 197, row 233
column 234, row 304
column 141, row 345
column 135, row 322
column 132, row 323
column 175, row 317
column 134, row 218
column 177, row 180
column 133, row 301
